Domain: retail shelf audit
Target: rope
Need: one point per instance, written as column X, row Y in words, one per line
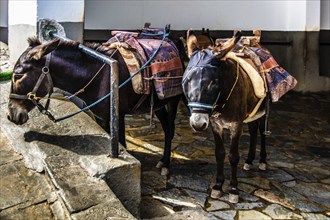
column 165, row 35
column 232, row 88
column 83, row 89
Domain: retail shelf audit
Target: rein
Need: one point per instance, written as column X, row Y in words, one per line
column 83, row 88
column 218, row 113
column 45, row 72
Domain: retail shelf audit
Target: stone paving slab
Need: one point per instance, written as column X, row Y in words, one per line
column 24, row 194
column 37, row 211
column 19, row 185
column 78, row 195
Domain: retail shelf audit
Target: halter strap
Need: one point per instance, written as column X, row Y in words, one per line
column 32, row 95
column 200, row 105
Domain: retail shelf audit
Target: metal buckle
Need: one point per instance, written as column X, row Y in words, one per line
column 32, row 96
column 45, row 69
column 216, row 115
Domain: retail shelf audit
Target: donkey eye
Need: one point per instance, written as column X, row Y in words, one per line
column 17, row 76
column 18, row 69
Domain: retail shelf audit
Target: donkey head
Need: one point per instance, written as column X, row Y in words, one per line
column 26, row 74
column 202, row 78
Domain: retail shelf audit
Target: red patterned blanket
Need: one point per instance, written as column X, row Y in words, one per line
column 279, row 81
column 165, row 70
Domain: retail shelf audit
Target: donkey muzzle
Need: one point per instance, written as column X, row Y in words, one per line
column 199, row 121
column 17, row 115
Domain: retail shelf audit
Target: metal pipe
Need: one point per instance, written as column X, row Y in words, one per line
column 114, row 97
column 114, row 110
column 86, row 50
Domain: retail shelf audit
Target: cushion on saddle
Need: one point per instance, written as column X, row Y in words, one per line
column 133, row 62
column 257, row 81
column 165, row 70
column 121, row 38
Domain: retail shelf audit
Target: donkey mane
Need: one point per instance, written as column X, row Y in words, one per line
column 34, row 41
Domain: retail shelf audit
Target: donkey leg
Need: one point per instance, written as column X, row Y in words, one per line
column 163, row 163
column 121, row 132
column 253, row 131
column 220, row 154
column 263, row 153
column 235, row 133
column 167, row 120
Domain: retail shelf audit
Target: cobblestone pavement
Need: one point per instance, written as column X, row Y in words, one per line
column 295, row 186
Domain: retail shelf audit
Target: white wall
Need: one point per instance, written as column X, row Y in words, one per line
column 325, row 14
column 61, row 11
column 22, row 12
column 283, row 15
column 22, row 23
column 3, row 13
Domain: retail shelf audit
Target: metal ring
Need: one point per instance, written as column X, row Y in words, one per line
column 45, row 69
column 31, row 96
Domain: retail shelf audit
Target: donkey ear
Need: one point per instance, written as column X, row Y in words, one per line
column 192, row 42
column 41, row 50
column 222, row 48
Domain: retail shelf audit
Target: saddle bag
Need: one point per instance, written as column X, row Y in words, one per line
column 165, row 70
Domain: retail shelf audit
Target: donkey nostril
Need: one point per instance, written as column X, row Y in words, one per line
column 22, row 118
column 204, row 126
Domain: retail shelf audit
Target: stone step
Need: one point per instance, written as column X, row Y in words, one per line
column 74, row 154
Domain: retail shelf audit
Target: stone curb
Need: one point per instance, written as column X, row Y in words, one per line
column 74, row 154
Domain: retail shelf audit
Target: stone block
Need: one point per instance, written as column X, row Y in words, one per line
column 74, row 153
column 109, row 210
column 20, row 185
column 122, row 174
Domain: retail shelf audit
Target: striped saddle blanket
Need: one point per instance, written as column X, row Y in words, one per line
column 165, row 70
column 279, row 81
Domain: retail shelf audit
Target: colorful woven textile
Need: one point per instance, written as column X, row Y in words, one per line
column 278, row 79
column 166, row 67
column 165, row 70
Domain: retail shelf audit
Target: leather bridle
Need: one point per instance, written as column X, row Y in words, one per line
column 32, row 96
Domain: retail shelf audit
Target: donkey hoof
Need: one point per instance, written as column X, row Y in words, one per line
column 247, row 166
column 262, row 166
column 216, row 194
column 159, row 164
column 233, row 196
column 164, row 171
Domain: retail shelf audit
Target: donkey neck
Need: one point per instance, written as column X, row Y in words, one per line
column 71, row 69
column 227, row 80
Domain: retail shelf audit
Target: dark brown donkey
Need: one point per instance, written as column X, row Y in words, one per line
column 71, row 70
column 219, row 92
